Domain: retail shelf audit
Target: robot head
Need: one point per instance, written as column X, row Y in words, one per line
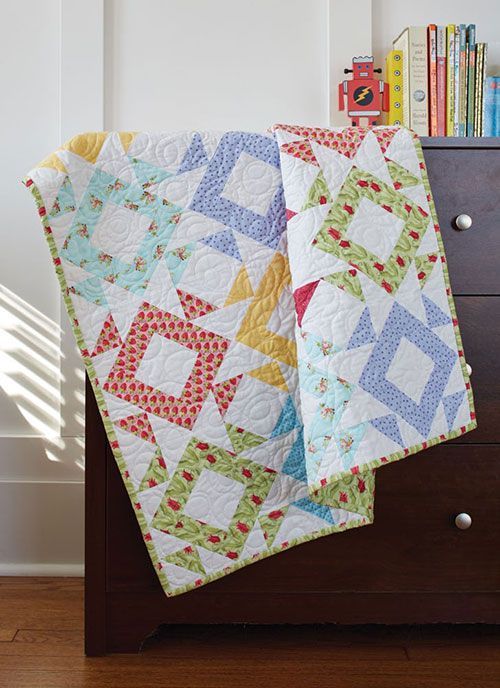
column 362, row 67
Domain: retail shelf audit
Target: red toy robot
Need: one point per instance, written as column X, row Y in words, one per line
column 365, row 94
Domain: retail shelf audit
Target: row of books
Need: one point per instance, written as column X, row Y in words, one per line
column 437, row 82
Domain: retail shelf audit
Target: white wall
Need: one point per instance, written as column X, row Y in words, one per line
column 220, row 64
column 76, row 65
column 41, row 488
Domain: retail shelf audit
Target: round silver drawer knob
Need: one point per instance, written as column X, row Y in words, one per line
column 463, row 222
column 463, row 521
column 469, row 369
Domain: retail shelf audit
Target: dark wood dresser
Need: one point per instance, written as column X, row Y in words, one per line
column 413, row 565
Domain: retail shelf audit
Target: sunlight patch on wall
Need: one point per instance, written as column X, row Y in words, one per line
column 30, row 378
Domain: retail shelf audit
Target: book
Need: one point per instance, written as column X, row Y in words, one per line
column 450, row 79
column 456, row 118
column 394, row 79
column 413, row 44
column 477, row 89
column 432, row 67
column 492, row 106
column 441, row 79
column 484, row 62
column 466, row 86
column 462, row 75
column 471, row 78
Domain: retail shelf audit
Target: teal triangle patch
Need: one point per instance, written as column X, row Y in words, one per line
column 287, row 420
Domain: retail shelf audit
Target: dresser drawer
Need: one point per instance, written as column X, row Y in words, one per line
column 414, row 544
column 468, row 182
column 479, row 319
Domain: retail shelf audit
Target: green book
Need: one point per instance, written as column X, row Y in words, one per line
column 471, row 77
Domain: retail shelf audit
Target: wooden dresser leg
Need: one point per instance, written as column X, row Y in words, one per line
column 128, row 634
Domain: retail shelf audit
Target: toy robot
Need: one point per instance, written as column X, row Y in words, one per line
column 365, row 94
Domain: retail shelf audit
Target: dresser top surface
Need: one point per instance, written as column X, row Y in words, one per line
column 460, row 142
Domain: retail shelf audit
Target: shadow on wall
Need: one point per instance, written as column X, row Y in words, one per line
column 31, row 380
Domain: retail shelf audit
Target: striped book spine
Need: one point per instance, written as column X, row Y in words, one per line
column 432, row 64
column 450, row 79
column 441, row 79
column 462, row 112
column 484, row 62
column 477, row 89
column 471, row 77
column 456, row 116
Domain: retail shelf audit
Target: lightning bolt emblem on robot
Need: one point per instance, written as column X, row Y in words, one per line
column 362, row 95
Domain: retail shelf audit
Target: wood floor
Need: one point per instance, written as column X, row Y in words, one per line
column 41, row 646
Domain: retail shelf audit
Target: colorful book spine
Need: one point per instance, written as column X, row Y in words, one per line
column 492, row 106
column 432, row 62
column 441, row 79
column 477, row 89
column 471, row 77
column 394, row 79
column 462, row 113
column 466, row 86
column 450, row 79
column 456, row 126
column 483, row 89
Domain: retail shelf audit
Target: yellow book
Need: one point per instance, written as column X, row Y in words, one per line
column 450, row 80
column 413, row 42
column 394, row 79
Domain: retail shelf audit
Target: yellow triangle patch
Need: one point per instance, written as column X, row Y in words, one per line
column 271, row 374
column 241, row 289
column 54, row 162
column 126, row 138
column 87, row 146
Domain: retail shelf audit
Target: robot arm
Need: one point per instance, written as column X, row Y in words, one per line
column 384, row 89
column 342, row 90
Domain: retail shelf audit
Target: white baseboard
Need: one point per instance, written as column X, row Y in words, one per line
column 73, row 570
column 43, row 533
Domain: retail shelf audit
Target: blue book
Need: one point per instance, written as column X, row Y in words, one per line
column 492, row 106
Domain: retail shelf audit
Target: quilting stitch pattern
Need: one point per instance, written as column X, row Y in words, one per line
column 239, row 429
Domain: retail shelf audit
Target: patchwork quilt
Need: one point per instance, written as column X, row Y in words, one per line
column 265, row 320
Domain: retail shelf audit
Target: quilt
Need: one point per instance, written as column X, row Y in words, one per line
column 265, row 320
